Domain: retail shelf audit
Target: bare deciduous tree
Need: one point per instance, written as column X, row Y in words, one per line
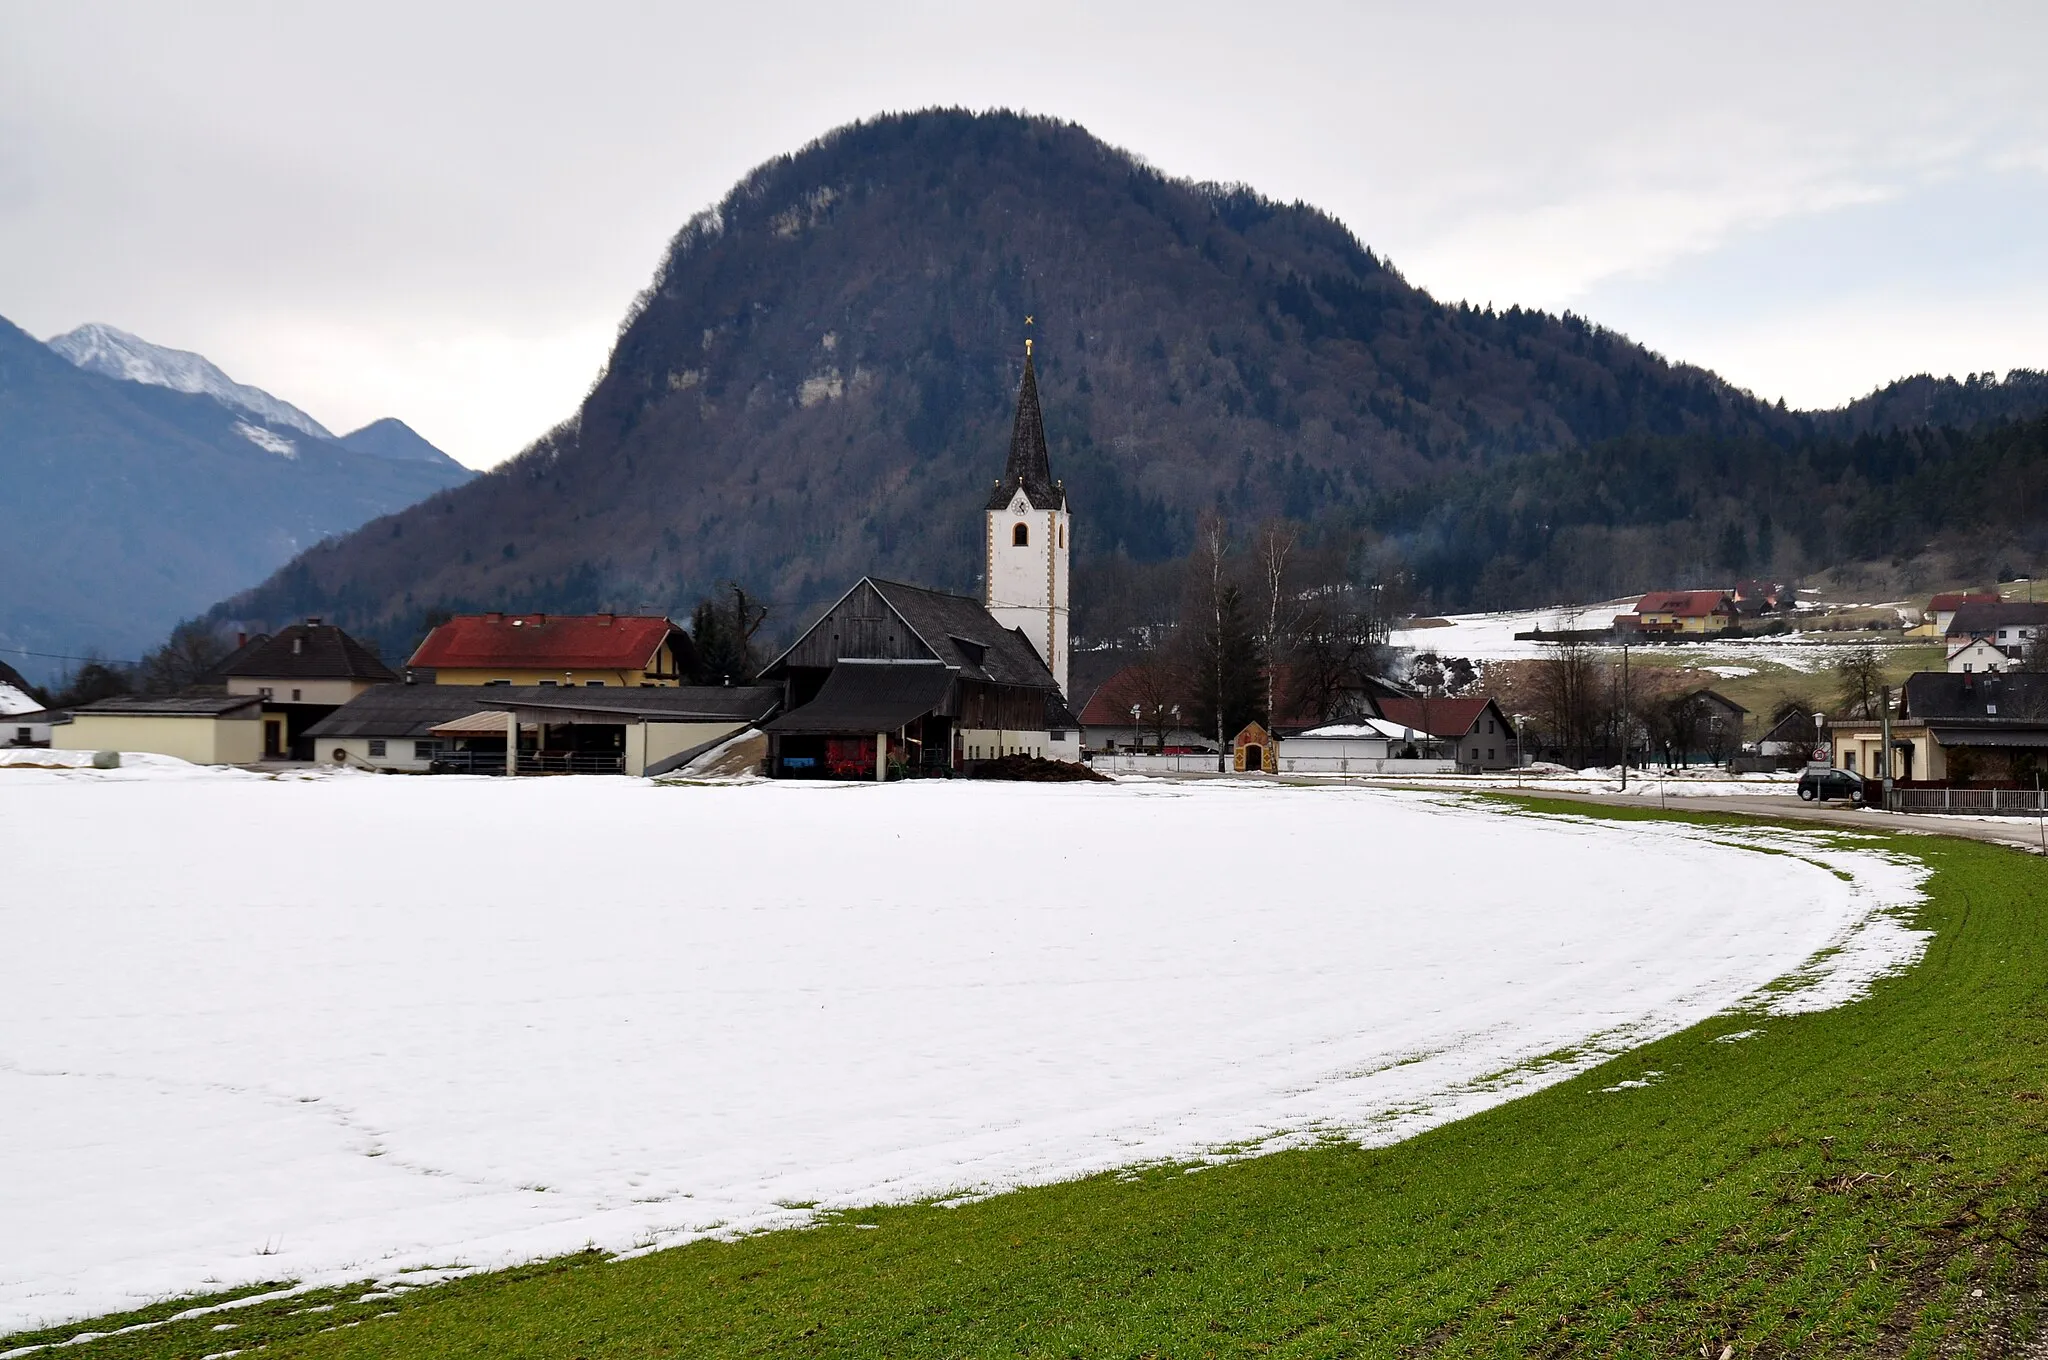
column 1859, row 676
column 1283, row 608
column 1149, row 689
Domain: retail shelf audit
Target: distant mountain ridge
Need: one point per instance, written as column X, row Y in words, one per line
column 114, row 353
column 131, row 505
column 394, row 439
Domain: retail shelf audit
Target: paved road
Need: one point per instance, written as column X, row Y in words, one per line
column 2024, row 832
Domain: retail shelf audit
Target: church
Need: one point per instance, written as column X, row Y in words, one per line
column 899, row 680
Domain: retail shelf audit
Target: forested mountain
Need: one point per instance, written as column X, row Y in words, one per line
column 126, row 506
column 818, row 384
column 1978, row 399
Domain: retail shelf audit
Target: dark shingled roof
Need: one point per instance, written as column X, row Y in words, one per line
column 870, row 696
column 308, row 651
column 1029, row 466
column 411, row 710
column 963, row 634
column 2018, row 697
column 192, row 706
column 1986, row 619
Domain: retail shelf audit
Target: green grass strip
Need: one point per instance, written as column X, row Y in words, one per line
column 1864, row 1181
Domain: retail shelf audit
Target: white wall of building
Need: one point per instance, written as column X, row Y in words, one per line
column 200, row 738
column 652, row 742
column 1980, row 658
column 1027, row 587
column 983, row 743
column 383, row 753
column 285, row 690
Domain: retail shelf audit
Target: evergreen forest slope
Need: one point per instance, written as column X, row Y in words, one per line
column 818, row 383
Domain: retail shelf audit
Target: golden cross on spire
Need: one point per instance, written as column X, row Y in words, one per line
column 1027, row 339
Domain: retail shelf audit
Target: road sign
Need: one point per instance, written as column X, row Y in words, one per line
column 1820, row 753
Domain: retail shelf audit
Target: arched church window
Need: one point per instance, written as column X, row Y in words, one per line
column 1020, row 537
column 1063, row 535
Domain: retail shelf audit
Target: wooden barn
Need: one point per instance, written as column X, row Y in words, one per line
column 897, row 679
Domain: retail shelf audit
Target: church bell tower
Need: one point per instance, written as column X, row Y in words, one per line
column 1025, row 573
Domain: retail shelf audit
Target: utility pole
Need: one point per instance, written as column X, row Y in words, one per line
column 1624, row 717
column 1884, row 759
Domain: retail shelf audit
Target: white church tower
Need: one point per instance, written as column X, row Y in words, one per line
column 1025, row 575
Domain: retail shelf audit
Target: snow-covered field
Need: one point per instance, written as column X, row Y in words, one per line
column 1491, row 637
column 344, row 1027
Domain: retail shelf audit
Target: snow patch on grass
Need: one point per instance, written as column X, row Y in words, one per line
column 239, row 1053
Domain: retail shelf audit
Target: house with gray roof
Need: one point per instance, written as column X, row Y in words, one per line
column 561, row 730
column 898, row 677
column 302, row 673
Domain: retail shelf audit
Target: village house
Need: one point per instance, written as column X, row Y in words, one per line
column 900, row 677
column 1991, row 637
column 1754, row 598
column 611, row 730
column 212, row 729
column 301, row 673
column 590, row 651
column 1471, row 730
column 1941, row 610
column 1955, row 727
column 31, row 728
column 1680, row 612
column 1109, row 724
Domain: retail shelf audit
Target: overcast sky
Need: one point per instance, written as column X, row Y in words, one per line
column 441, row 212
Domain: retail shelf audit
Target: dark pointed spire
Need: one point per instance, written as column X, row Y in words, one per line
column 1029, row 467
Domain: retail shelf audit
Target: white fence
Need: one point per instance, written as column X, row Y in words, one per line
column 1123, row 762
column 1361, row 765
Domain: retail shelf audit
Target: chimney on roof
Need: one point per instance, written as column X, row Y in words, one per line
column 495, row 617
column 605, row 619
column 312, row 620
column 540, row 618
column 241, row 640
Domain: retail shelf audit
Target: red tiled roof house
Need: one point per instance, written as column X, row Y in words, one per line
column 590, row 650
column 1681, row 611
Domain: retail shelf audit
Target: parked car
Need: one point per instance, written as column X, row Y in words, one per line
column 1819, row 785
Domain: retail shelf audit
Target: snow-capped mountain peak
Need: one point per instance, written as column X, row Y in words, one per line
column 103, row 349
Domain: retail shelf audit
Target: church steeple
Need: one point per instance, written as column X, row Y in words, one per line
column 1025, row 572
column 1029, row 468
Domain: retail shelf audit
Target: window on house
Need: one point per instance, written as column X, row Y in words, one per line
column 22, row 735
column 377, row 747
column 1020, row 537
column 548, row 684
column 593, row 684
column 295, row 696
column 264, row 692
column 425, row 750
column 1848, row 760
column 1489, row 753
column 497, row 682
